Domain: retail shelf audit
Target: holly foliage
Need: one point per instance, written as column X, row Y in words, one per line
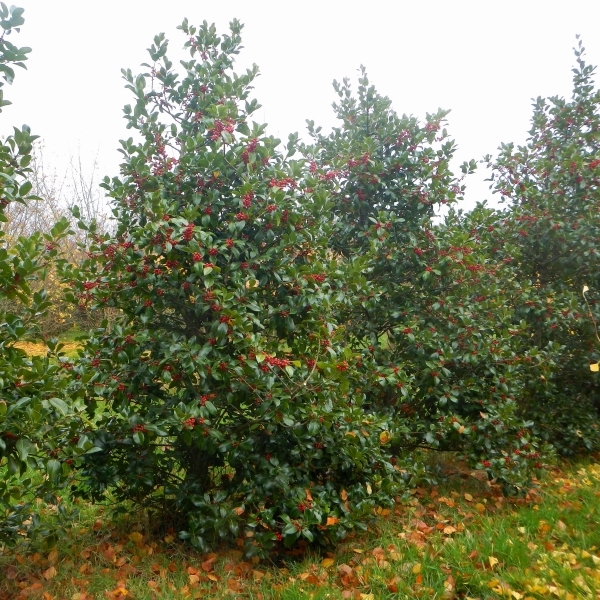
column 225, row 393
column 434, row 322
column 35, row 419
column 551, row 189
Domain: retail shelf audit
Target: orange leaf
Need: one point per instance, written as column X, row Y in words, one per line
column 49, row 573
column 344, row 495
column 213, row 576
column 378, row 553
column 331, row 521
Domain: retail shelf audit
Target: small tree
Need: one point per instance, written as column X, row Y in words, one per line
column 229, row 396
column 551, row 187
column 434, row 321
column 35, row 421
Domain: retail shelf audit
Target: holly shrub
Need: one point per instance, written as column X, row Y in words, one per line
column 36, row 423
column 552, row 226
column 434, row 323
column 225, row 394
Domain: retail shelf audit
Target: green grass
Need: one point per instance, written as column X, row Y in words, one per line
column 459, row 540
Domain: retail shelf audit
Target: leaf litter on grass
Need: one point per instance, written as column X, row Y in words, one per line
column 459, row 540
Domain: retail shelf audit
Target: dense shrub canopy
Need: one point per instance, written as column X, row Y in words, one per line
column 229, row 391
column 552, row 223
column 295, row 322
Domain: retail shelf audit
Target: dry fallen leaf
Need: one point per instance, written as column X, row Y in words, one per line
column 493, row 561
column 468, row 497
column 49, row 573
column 416, row 569
column 327, row 562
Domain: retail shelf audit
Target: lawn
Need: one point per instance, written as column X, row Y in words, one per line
column 462, row 539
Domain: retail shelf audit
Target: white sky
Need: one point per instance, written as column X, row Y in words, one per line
column 483, row 59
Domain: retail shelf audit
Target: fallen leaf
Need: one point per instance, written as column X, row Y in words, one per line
column 53, row 556
column 493, row 561
column 416, row 569
column 468, row 497
column 136, row 537
column 49, row 573
column 480, row 507
column 327, row 562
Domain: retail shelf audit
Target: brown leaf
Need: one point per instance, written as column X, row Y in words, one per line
column 234, row 585
column 344, row 495
column 109, row 554
column 207, row 565
column 49, row 573
column 53, row 556
column 378, row 553
column 344, row 568
column 213, row 576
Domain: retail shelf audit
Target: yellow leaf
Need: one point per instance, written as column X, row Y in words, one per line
column 367, row 597
column 595, row 367
column 136, row 537
column 480, row 507
column 384, row 437
column 357, row 550
column 216, row 174
column 327, row 562
column 369, row 489
column 493, row 561
column 468, row 498
column 416, row 569
column 585, row 289
column 49, row 573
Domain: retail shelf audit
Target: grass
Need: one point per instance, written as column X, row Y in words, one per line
column 68, row 338
column 459, row 540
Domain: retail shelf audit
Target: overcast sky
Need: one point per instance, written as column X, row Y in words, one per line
column 484, row 60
